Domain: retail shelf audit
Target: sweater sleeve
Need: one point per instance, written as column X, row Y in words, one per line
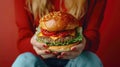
column 92, row 23
column 25, row 31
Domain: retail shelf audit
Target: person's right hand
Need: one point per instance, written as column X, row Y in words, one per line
column 41, row 48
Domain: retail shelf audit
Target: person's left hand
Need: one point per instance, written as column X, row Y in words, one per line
column 75, row 51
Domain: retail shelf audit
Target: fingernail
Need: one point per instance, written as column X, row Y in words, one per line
column 59, row 57
column 47, row 52
column 73, row 48
column 45, row 46
column 55, row 53
column 63, row 53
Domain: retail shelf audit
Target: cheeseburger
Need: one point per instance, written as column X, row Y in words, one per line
column 59, row 30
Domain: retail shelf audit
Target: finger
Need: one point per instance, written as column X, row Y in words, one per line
column 77, row 47
column 55, row 53
column 61, row 55
column 47, row 56
column 38, row 44
column 80, row 45
column 69, row 55
column 41, row 52
column 44, row 53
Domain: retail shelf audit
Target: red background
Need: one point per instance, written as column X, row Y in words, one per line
column 110, row 34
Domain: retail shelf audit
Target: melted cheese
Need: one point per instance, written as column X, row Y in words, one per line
column 54, row 38
column 73, row 33
column 40, row 34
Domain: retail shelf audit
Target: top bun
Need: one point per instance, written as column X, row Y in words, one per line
column 58, row 21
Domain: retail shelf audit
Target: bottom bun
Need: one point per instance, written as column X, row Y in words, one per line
column 61, row 48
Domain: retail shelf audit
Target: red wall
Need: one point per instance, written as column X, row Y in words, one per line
column 8, row 33
column 110, row 34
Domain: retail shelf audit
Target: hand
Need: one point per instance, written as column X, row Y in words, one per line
column 75, row 51
column 41, row 48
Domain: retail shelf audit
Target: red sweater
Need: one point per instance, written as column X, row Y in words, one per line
column 91, row 23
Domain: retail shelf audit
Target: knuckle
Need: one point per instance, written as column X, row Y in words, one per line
column 31, row 41
column 38, row 53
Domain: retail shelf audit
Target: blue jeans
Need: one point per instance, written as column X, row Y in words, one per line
column 86, row 59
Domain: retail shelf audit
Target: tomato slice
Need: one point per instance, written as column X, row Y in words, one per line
column 56, row 34
column 65, row 33
column 47, row 33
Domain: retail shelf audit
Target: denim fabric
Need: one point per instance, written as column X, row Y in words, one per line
column 54, row 62
column 86, row 59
